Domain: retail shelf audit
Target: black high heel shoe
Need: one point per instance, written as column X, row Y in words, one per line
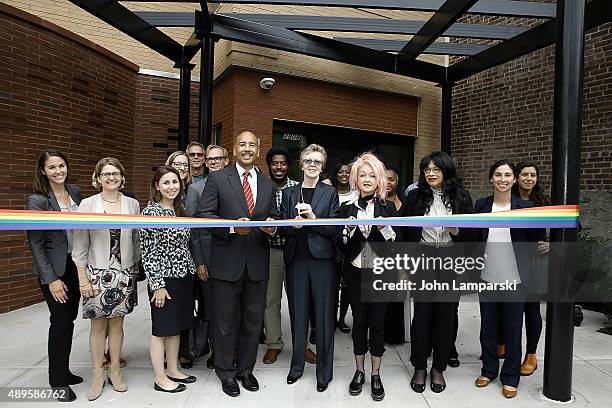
column 437, row 387
column 419, row 386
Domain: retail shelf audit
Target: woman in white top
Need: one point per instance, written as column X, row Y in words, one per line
column 107, row 264
column 504, row 262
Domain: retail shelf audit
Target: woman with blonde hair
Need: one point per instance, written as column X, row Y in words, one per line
column 180, row 161
column 309, row 255
column 369, row 178
column 107, row 265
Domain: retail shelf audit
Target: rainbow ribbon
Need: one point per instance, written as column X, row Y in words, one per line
column 560, row 216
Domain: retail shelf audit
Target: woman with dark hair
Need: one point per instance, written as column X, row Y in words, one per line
column 529, row 188
column 53, row 266
column 107, row 264
column 168, row 264
column 340, row 178
column 368, row 177
column 309, row 254
column 505, row 261
column 439, row 192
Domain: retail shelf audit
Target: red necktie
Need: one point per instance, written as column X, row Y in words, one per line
column 248, row 193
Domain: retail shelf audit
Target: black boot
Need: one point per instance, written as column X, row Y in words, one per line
column 378, row 391
column 357, row 383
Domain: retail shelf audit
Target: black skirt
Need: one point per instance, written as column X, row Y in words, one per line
column 177, row 313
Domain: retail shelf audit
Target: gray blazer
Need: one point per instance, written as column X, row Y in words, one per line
column 200, row 238
column 92, row 247
column 193, row 197
column 223, row 197
column 49, row 248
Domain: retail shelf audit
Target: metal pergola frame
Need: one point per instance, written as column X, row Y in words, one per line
column 563, row 23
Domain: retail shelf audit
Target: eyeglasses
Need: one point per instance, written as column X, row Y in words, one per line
column 196, row 154
column 179, row 165
column 217, row 159
column 309, row 162
column 432, row 171
column 108, row 175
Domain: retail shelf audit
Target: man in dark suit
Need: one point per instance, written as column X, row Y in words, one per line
column 239, row 261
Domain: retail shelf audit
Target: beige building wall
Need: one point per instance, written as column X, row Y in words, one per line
column 67, row 15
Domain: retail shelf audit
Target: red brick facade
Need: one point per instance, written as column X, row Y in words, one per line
column 507, row 112
column 59, row 90
column 56, row 90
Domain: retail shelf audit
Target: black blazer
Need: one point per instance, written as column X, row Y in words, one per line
column 414, row 234
column 49, row 248
column 324, row 204
column 223, row 197
column 353, row 247
column 523, row 253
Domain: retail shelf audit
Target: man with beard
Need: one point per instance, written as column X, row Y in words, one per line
column 239, row 287
column 195, row 151
column 278, row 167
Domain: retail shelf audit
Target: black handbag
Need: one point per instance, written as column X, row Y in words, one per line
column 198, row 338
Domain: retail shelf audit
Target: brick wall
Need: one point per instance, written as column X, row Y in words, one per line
column 507, row 112
column 307, row 101
column 56, row 90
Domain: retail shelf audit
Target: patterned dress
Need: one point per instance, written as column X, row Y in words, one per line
column 115, row 292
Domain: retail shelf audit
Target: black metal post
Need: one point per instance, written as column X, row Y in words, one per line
column 184, row 102
column 565, row 190
column 447, row 110
column 207, row 58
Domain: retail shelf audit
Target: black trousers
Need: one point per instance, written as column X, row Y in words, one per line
column 367, row 316
column 237, row 318
column 311, row 284
column 512, row 314
column 62, row 316
column 432, row 329
column 533, row 326
column 184, row 338
column 434, row 324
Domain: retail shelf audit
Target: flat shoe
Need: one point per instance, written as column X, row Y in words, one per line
column 186, row 364
column 291, row 379
column 482, row 381
column 179, row 388
column 454, row 362
column 418, row 387
column 186, row 380
column 321, row 387
column 509, row 392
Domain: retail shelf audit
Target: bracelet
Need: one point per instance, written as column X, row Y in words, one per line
column 87, row 284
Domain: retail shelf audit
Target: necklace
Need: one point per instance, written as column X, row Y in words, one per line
column 109, row 201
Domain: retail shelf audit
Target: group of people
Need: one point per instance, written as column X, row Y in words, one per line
column 237, row 273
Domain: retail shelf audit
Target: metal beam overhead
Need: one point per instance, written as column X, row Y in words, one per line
column 511, row 8
column 442, row 19
column 439, row 48
column 346, row 24
column 307, row 44
column 191, row 47
column 597, row 12
column 127, row 22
